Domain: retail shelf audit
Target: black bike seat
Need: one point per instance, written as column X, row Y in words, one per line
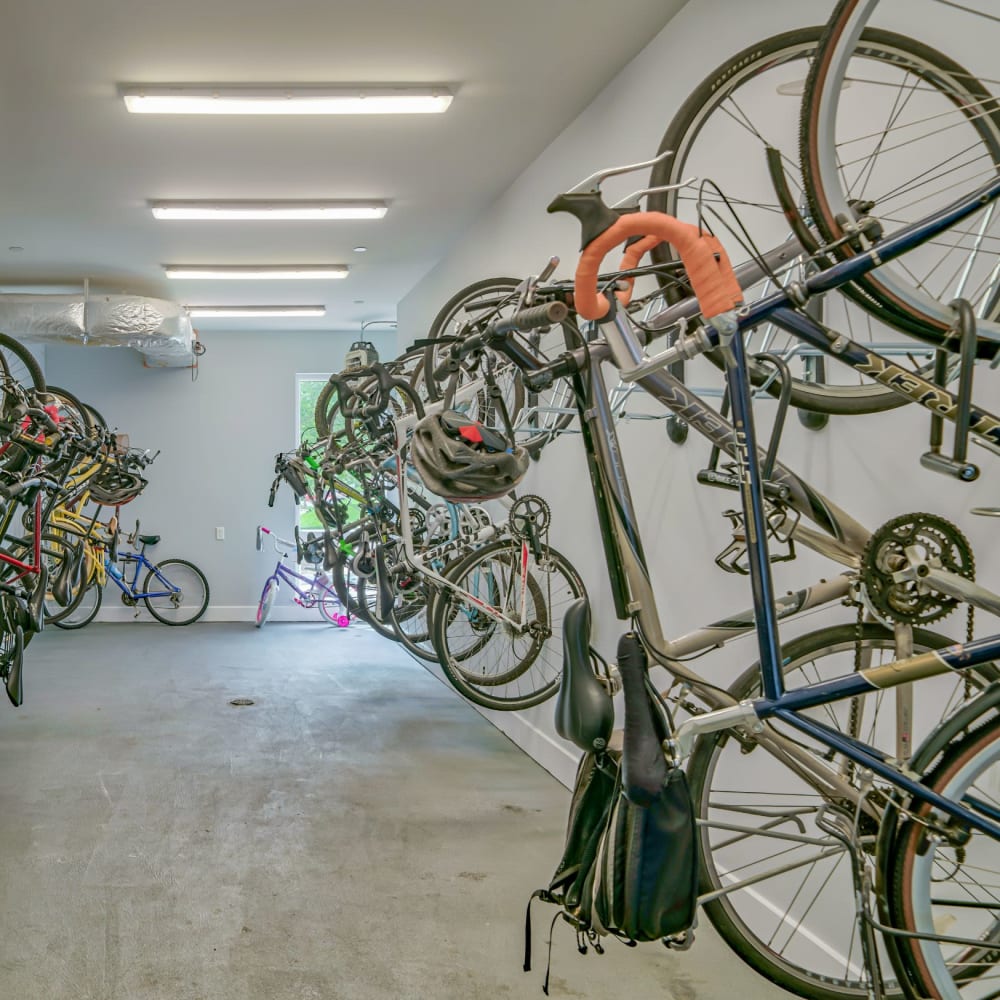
column 584, row 714
column 149, row 539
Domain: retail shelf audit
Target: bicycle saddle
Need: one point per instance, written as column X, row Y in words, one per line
column 149, row 539
column 585, row 714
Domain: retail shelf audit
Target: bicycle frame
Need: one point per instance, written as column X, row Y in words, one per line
column 140, row 561
column 630, row 579
column 289, row 576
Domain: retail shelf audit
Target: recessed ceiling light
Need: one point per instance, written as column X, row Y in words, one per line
column 268, row 210
column 361, row 249
column 262, row 272
column 207, row 99
column 208, row 312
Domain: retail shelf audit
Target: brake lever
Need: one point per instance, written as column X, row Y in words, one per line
column 592, row 184
column 630, row 203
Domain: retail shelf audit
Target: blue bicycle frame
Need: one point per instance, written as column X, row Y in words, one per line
column 129, row 588
column 777, row 703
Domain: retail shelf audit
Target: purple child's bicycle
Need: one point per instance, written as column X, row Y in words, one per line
column 317, row 592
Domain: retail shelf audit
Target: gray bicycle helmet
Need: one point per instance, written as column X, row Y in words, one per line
column 462, row 460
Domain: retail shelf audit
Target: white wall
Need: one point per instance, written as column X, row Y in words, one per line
column 867, row 465
column 218, row 437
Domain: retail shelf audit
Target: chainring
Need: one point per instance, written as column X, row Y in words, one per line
column 529, row 516
column 911, row 602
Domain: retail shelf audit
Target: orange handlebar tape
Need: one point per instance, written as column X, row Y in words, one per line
column 705, row 260
column 630, row 259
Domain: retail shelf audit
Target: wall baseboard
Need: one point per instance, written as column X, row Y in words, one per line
column 115, row 611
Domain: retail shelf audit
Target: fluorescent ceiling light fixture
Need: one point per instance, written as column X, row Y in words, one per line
column 208, row 99
column 210, row 312
column 271, row 211
column 259, row 272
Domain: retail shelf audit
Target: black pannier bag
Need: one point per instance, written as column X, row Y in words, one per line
column 630, row 865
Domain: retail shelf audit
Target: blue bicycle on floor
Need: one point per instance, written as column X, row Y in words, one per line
column 174, row 591
column 318, row 592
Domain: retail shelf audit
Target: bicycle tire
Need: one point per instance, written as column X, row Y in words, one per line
column 921, row 860
column 534, row 673
column 473, row 307
column 18, row 362
column 742, row 920
column 12, row 644
column 366, row 609
column 54, row 549
column 889, row 291
column 332, row 610
column 72, row 408
column 326, row 410
column 86, row 610
column 96, row 418
column 54, row 546
column 413, row 630
column 160, row 610
column 266, row 602
column 713, row 95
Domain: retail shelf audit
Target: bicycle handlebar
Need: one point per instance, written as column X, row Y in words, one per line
column 347, row 395
column 495, row 335
column 11, row 491
column 276, row 540
column 705, row 260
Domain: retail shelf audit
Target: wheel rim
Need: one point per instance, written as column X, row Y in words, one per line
column 907, row 174
column 939, row 873
column 798, row 922
column 772, row 79
column 490, row 662
column 178, row 608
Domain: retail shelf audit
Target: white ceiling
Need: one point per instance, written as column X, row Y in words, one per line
column 76, row 170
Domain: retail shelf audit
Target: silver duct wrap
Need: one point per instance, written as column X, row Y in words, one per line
column 158, row 329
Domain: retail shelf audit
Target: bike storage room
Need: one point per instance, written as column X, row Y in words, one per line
column 500, row 500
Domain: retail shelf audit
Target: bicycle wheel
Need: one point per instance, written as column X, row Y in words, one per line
column 266, row 602
column 65, row 584
column 332, row 610
column 900, row 141
column 786, row 899
column 367, row 593
column 56, row 548
column 411, row 617
column 71, row 410
column 190, row 601
column 945, row 882
column 17, row 362
column 328, row 419
column 504, row 665
column 11, row 662
column 536, row 417
column 746, row 105
column 86, row 608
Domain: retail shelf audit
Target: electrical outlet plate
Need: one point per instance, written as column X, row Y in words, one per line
column 220, row 534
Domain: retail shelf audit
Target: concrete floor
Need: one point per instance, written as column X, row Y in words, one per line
column 359, row 832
